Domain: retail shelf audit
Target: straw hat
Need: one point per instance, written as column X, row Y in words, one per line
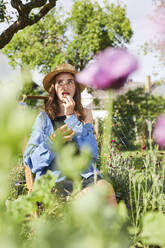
column 60, row 68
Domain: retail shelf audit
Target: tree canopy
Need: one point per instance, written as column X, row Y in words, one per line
column 26, row 15
column 76, row 38
column 94, row 28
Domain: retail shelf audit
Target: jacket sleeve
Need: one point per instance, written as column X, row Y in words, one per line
column 83, row 135
column 38, row 153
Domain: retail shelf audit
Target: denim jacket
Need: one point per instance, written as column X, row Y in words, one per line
column 39, row 154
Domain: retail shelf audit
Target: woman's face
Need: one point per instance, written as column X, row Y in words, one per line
column 64, row 85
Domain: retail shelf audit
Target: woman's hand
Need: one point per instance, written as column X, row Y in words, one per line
column 66, row 133
column 69, row 105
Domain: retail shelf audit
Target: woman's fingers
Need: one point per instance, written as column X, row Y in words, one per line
column 66, row 133
column 58, row 130
column 63, row 127
column 69, row 137
column 70, row 99
column 69, row 105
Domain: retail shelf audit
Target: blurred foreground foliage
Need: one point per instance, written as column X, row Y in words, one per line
column 46, row 220
column 41, row 218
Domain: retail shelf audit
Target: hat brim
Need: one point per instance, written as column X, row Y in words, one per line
column 48, row 78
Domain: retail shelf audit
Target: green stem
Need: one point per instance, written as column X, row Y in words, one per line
column 77, row 187
column 106, row 135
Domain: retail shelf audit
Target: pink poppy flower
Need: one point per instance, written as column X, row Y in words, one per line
column 158, row 20
column 159, row 131
column 110, row 69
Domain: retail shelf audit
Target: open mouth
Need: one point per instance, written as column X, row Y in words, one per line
column 65, row 93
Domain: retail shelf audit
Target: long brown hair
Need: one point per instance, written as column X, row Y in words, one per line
column 52, row 107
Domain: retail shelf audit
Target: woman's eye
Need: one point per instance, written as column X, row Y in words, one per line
column 59, row 82
column 70, row 82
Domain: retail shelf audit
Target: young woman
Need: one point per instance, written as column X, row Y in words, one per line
column 65, row 113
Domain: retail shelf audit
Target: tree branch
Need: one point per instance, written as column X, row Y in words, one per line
column 17, row 4
column 34, row 4
column 42, row 12
column 24, row 19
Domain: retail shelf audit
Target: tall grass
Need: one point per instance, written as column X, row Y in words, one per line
column 142, row 187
